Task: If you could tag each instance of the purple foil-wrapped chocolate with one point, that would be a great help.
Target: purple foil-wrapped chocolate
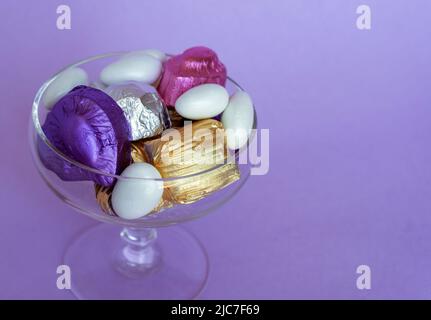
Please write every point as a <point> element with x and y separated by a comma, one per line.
<point>195,66</point>
<point>89,127</point>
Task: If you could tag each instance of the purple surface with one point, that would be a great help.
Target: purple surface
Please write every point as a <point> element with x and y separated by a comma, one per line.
<point>349,113</point>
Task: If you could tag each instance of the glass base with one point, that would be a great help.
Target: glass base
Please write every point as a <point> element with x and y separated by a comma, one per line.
<point>104,266</point>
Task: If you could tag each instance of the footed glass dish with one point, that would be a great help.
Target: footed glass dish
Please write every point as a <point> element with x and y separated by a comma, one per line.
<point>146,258</point>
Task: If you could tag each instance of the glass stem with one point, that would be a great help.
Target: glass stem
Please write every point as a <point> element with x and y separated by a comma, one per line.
<point>139,253</point>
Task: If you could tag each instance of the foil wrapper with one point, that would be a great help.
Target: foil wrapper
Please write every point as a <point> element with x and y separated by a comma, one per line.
<point>201,176</point>
<point>87,126</point>
<point>104,196</point>
<point>191,189</point>
<point>195,66</point>
<point>138,153</point>
<point>165,202</point>
<point>143,108</point>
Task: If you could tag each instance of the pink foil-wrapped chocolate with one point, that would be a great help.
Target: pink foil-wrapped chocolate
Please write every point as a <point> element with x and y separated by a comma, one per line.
<point>195,66</point>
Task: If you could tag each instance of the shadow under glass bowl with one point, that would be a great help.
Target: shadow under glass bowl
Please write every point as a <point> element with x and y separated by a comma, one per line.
<point>121,259</point>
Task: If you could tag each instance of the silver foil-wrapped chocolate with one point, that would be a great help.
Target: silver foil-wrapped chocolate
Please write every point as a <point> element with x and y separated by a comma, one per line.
<point>145,111</point>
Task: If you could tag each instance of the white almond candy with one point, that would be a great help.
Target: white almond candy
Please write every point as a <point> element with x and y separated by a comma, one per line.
<point>142,68</point>
<point>202,102</point>
<point>237,119</point>
<point>98,85</point>
<point>63,83</point>
<point>159,55</point>
<point>135,198</point>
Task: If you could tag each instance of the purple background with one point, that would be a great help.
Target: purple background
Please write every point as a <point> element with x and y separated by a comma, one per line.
<point>349,114</point>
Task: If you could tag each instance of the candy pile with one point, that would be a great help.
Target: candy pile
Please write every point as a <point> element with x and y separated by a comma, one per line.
<point>119,124</point>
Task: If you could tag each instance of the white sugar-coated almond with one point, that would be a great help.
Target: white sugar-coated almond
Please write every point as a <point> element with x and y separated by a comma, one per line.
<point>238,119</point>
<point>135,198</point>
<point>143,68</point>
<point>159,55</point>
<point>62,84</point>
<point>202,102</point>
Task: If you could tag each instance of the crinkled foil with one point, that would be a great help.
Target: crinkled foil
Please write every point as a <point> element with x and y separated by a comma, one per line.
<point>195,66</point>
<point>145,111</point>
<point>138,153</point>
<point>192,189</point>
<point>88,126</point>
<point>170,155</point>
<point>103,197</point>
<point>176,164</point>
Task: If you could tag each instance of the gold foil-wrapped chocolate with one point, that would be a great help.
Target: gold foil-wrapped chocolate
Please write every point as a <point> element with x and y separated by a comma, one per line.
<point>138,153</point>
<point>192,189</point>
<point>176,153</point>
<point>103,197</point>
<point>165,202</point>
<point>196,148</point>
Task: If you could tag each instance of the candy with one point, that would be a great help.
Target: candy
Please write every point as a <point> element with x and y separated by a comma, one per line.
<point>169,157</point>
<point>140,155</point>
<point>114,127</point>
<point>87,126</point>
<point>237,119</point>
<point>144,110</point>
<point>191,189</point>
<point>135,198</point>
<point>195,66</point>
<point>175,154</point>
<point>142,68</point>
<point>104,196</point>
<point>62,84</point>
<point>202,102</point>
<point>159,55</point>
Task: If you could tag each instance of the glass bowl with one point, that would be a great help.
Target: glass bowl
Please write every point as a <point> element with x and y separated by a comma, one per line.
<point>131,259</point>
